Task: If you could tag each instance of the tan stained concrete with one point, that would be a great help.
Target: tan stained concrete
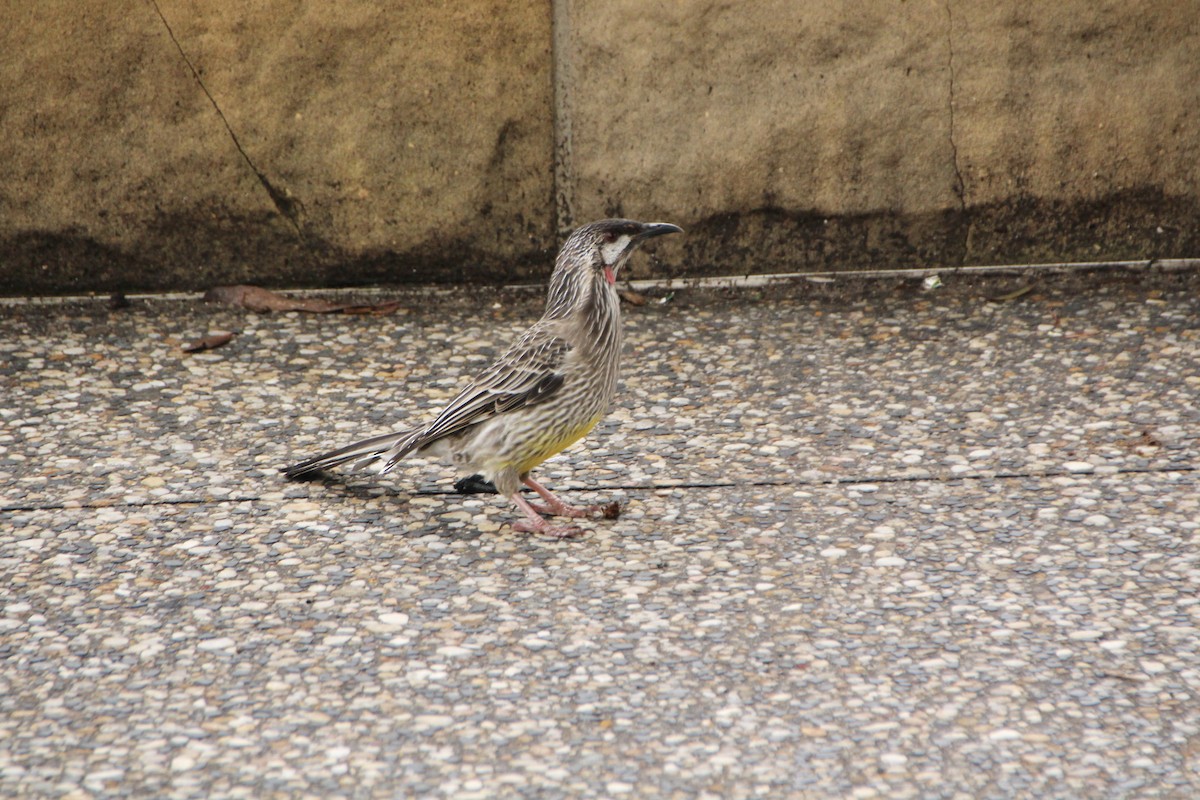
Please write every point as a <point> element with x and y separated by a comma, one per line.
<point>368,142</point>
<point>392,139</point>
<point>882,134</point>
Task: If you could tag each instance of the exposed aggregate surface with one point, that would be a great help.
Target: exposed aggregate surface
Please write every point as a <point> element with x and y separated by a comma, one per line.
<point>876,542</point>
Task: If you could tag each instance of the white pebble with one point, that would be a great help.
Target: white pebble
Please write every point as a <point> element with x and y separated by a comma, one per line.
<point>429,722</point>
<point>453,651</point>
<point>220,643</point>
<point>182,763</point>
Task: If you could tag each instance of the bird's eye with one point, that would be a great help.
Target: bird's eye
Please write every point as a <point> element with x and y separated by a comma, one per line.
<point>609,237</point>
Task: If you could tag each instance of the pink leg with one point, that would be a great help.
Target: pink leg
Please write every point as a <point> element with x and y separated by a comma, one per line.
<point>557,508</point>
<point>537,524</point>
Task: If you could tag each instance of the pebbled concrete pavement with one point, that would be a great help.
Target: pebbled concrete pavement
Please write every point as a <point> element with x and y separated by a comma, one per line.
<point>877,542</point>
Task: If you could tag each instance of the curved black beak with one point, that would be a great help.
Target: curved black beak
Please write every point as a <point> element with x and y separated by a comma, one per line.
<point>651,229</point>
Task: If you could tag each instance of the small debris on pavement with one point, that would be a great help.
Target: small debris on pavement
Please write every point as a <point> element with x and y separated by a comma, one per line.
<point>1013,295</point>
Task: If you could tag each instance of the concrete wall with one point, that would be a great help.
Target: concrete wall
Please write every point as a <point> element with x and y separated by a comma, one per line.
<point>177,145</point>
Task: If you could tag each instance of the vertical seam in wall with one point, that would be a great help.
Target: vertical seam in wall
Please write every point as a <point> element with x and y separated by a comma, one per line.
<point>564,178</point>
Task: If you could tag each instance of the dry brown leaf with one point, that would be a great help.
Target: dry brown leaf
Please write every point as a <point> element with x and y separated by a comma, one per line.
<point>632,297</point>
<point>256,298</point>
<point>375,309</point>
<point>209,342</point>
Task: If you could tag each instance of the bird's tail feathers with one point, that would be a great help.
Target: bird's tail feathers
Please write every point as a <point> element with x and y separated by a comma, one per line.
<point>380,452</point>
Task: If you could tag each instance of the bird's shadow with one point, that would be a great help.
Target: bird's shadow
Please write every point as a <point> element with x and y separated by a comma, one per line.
<point>349,486</point>
<point>472,484</point>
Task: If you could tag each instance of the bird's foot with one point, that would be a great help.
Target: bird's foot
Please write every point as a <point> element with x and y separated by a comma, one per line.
<point>548,530</point>
<point>560,509</point>
<point>534,522</point>
<point>555,507</point>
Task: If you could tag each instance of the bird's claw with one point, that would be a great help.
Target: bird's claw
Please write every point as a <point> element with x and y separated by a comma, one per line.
<point>607,511</point>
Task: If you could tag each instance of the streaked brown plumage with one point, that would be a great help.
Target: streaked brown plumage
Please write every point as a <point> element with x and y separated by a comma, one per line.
<point>547,391</point>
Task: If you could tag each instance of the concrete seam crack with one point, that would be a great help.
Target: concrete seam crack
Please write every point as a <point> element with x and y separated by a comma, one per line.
<point>960,187</point>
<point>766,484</point>
<point>289,207</point>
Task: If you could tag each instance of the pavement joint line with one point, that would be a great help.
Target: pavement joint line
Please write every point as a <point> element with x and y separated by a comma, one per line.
<point>767,484</point>
<point>747,281</point>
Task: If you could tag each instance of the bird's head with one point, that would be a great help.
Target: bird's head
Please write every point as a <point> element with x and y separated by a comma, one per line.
<point>595,253</point>
<point>605,246</point>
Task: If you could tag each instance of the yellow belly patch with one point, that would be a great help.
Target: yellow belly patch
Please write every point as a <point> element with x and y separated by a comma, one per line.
<point>541,448</point>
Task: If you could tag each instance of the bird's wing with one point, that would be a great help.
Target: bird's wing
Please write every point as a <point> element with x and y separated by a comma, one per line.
<point>528,373</point>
